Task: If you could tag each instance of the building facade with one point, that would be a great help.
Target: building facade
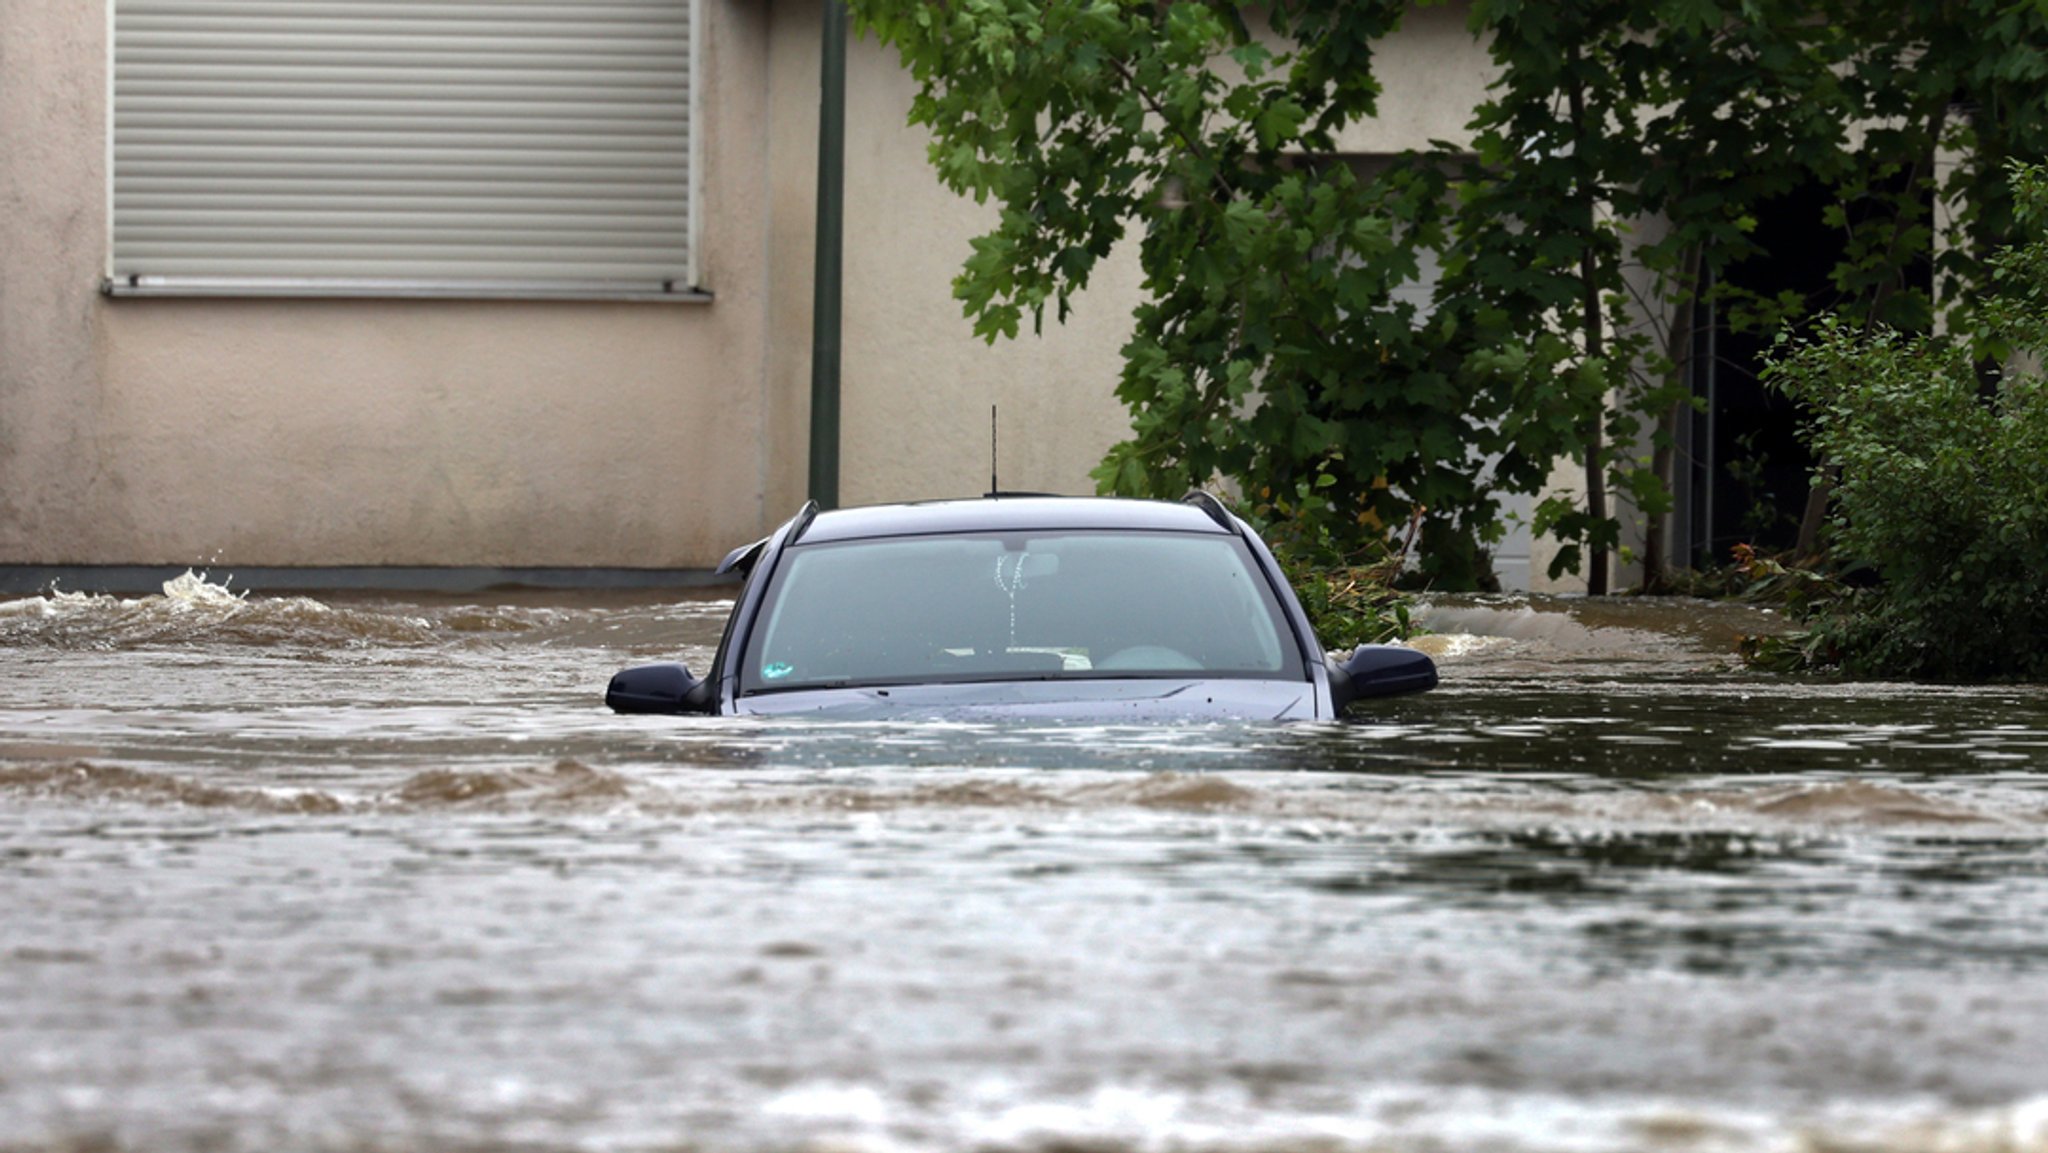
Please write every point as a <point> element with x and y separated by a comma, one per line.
<point>365,288</point>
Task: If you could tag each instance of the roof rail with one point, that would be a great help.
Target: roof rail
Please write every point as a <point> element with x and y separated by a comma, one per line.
<point>1206,501</point>
<point>804,517</point>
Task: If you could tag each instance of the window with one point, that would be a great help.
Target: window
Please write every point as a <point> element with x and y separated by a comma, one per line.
<point>983,607</point>
<point>403,147</point>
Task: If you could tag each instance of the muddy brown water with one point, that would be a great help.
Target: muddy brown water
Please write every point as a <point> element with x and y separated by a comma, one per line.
<point>371,873</point>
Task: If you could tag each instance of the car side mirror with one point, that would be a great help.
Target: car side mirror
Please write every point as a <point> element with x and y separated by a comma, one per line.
<point>1380,671</point>
<point>662,688</point>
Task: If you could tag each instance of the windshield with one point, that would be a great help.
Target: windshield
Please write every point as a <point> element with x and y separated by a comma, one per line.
<point>904,610</point>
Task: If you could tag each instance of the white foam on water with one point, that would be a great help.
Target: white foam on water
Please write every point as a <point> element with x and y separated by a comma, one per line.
<point>1001,1115</point>
<point>194,608</point>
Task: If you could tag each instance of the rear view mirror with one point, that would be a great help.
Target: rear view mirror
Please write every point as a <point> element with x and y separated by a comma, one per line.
<point>1380,671</point>
<point>662,688</point>
<point>1039,564</point>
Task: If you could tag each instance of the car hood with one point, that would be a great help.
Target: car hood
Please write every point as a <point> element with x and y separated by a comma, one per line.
<point>1136,700</point>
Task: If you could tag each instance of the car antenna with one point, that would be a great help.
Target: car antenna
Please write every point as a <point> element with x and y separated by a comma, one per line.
<point>996,488</point>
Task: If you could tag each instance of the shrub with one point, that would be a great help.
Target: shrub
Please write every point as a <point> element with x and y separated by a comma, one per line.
<point>1942,484</point>
<point>1346,589</point>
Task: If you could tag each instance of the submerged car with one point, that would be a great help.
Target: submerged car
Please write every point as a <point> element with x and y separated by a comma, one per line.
<point>1020,606</point>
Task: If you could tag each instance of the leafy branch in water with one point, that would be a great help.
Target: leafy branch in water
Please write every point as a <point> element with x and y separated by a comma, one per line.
<point>1805,594</point>
<point>1349,591</point>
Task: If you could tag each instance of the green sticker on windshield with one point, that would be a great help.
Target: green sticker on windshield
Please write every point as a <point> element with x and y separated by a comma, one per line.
<point>776,670</point>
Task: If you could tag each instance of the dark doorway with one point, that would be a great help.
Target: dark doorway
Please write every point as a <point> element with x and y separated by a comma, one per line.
<point>1750,470</point>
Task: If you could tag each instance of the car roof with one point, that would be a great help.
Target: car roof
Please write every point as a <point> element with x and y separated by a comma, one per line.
<point>1009,514</point>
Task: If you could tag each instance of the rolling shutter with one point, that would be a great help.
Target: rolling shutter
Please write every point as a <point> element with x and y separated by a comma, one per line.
<point>463,147</point>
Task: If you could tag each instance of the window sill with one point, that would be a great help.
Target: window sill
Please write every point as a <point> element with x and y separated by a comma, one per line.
<point>255,288</point>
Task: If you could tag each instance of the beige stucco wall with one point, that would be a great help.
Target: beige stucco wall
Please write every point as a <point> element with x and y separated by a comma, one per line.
<point>1432,74</point>
<point>272,432</point>
<point>919,384</point>
<point>916,384</point>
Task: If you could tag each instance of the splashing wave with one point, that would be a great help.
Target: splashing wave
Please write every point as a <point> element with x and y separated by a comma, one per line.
<point>193,609</point>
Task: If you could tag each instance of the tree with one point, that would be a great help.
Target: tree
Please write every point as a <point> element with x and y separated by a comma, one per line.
<point>1607,115</point>
<point>1273,348</point>
<point>1268,270</point>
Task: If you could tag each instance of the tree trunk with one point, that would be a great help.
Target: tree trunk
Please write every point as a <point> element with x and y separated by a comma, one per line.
<point>1808,549</point>
<point>1589,290</point>
<point>1595,447</point>
<point>1664,463</point>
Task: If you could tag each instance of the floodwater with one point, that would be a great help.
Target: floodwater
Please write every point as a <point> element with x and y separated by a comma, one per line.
<point>381,874</point>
